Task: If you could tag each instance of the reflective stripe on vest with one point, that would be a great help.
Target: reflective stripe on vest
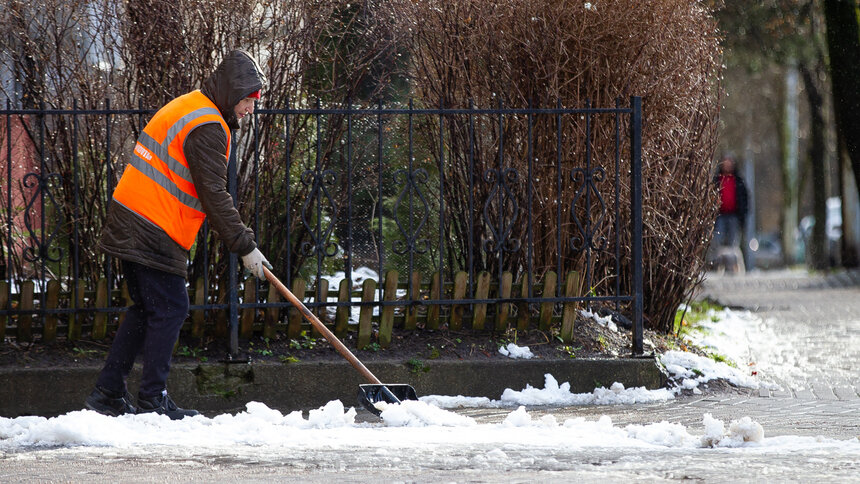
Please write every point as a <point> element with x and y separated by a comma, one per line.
<point>157,183</point>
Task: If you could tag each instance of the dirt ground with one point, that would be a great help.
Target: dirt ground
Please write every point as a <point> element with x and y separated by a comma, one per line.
<point>591,340</point>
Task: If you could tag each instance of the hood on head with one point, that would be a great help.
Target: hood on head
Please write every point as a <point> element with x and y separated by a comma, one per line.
<point>234,79</point>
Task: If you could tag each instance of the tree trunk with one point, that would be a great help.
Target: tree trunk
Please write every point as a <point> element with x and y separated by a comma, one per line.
<point>850,242</point>
<point>819,253</point>
<point>843,43</point>
<point>788,136</point>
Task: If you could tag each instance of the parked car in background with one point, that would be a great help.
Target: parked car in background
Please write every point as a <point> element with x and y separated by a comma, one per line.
<point>765,251</point>
<point>832,230</point>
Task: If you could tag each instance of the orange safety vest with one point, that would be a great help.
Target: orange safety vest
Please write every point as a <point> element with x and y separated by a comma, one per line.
<point>157,184</point>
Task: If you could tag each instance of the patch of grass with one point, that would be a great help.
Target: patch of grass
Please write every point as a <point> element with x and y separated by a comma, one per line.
<point>696,312</point>
<point>570,351</point>
<point>433,352</point>
<point>417,366</point>
<point>719,358</point>
<point>372,347</point>
<point>287,359</point>
<point>88,353</point>
<point>304,341</point>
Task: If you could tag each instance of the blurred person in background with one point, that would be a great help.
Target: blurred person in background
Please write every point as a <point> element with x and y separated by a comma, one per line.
<point>732,213</point>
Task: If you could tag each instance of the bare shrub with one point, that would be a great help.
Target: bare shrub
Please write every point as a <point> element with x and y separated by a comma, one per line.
<point>141,53</point>
<point>535,52</point>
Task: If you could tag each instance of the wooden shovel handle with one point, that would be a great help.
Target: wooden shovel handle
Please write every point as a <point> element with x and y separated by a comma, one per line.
<point>340,347</point>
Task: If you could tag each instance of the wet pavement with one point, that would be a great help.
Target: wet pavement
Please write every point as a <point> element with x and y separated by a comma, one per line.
<point>807,345</point>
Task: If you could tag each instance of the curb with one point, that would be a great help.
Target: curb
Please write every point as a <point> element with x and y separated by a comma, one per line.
<point>214,388</point>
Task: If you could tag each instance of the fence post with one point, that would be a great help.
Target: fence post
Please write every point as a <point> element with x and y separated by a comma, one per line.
<point>636,219</point>
<point>435,294</point>
<point>49,332</point>
<point>368,288</point>
<point>25,320</point>
<point>461,279</point>
<point>386,319</point>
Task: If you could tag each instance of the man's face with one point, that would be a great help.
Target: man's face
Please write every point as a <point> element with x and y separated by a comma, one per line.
<point>244,107</point>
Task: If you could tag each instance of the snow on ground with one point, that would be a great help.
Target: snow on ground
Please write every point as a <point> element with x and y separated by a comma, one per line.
<point>554,395</point>
<point>605,321</point>
<point>428,423</point>
<point>514,351</point>
<point>688,371</point>
<point>727,333</point>
<point>359,275</point>
<point>413,425</point>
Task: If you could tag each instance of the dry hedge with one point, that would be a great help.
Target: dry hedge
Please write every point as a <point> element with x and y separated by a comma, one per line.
<point>540,51</point>
<point>511,51</point>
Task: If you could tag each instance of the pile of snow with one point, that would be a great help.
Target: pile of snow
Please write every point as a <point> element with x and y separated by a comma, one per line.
<point>740,432</point>
<point>556,395</point>
<point>605,321</point>
<point>411,413</point>
<point>514,351</point>
<point>688,370</point>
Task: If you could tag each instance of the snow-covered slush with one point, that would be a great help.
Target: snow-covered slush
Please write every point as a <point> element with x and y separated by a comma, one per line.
<point>429,422</point>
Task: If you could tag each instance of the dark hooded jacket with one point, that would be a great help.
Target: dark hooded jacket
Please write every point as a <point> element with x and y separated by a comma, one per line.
<point>129,236</point>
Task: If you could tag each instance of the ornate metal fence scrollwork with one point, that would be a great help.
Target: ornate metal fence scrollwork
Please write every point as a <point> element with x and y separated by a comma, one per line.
<point>504,225</point>
<point>585,180</point>
<point>409,230</point>
<point>320,233</point>
<point>40,245</point>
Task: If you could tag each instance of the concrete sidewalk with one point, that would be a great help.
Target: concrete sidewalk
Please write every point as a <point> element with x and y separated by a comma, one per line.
<point>809,344</point>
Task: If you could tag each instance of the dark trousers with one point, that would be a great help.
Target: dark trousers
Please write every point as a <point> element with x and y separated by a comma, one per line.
<point>151,328</point>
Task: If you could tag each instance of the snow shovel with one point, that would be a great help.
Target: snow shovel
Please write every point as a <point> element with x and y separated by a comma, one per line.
<point>368,394</point>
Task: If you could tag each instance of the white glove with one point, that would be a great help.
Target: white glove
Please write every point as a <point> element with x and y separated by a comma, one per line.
<point>254,262</point>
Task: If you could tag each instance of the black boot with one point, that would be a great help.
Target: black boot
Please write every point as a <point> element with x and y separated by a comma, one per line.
<point>164,405</point>
<point>110,403</point>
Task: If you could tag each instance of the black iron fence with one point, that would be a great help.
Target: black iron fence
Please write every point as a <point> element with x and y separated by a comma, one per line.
<point>466,203</point>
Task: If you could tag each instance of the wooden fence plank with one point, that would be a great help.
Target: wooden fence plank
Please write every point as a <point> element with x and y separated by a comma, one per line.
<point>568,315</point>
<point>549,282</point>
<point>523,309</point>
<point>198,316</point>
<point>368,292</point>
<point>435,295</point>
<point>76,320</point>
<point>222,324</point>
<point>100,318</point>
<point>461,280</point>
<point>4,303</point>
<point>25,320</point>
<point>295,318</point>
<point>126,298</point>
<point>270,323</point>
<point>482,291</point>
<point>246,319</point>
<point>386,321</point>
<point>49,331</point>
<point>411,320</point>
<point>504,309</point>
<point>341,318</point>
<point>320,311</point>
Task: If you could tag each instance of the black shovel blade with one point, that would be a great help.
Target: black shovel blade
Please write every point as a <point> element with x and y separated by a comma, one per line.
<point>369,394</point>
